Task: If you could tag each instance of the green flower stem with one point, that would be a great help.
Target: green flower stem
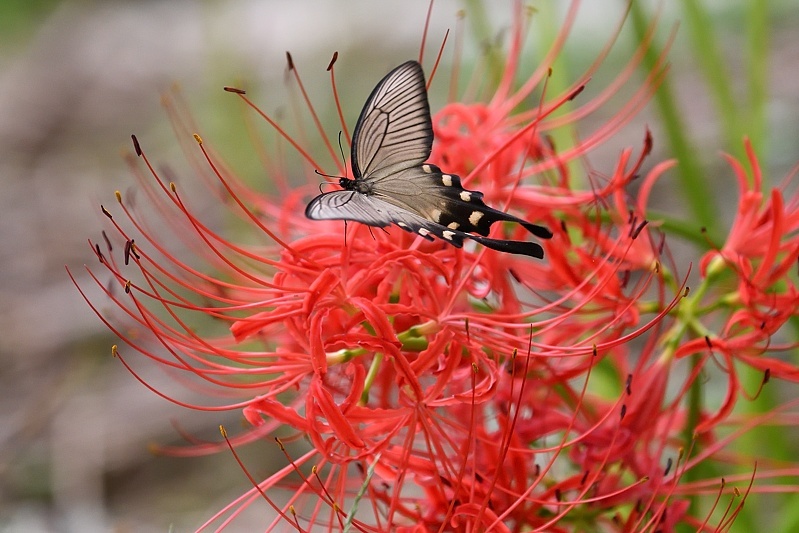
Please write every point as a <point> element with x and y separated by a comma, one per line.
<point>695,188</point>
<point>679,228</point>
<point>374,368</point>
<point>705,49</point>
<point>757,67</point>
<point>414,339</point>
<point>690,309</point>
<point>482,30</point>
<point>688,323</point>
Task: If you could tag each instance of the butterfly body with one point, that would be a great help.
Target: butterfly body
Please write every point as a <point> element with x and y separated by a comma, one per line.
<point>393,184</point>
<point>359,186</point>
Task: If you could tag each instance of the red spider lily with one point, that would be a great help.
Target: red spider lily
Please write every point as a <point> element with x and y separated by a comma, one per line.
<point>762,251</point>
<point>442,388</point>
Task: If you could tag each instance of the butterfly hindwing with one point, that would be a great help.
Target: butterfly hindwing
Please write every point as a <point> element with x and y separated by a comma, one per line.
<point>348,205</point>
<point>374,211</point>
<point>440,198</point>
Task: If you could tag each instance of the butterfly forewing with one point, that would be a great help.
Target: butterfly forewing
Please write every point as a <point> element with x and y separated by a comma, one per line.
<point>394,131</point>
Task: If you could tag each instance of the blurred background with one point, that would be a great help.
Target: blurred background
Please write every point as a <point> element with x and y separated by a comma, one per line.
<point>77,78</point>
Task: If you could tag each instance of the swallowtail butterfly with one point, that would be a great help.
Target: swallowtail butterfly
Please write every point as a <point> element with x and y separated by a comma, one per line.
<point>393,184</point>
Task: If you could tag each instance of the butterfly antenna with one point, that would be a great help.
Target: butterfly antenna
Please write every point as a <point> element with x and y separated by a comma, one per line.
<point>341,151</point>
<point>426,30</point>
<point>318,173</point>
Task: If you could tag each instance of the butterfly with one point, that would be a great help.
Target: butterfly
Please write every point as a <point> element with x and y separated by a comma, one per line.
<point>393,183</point>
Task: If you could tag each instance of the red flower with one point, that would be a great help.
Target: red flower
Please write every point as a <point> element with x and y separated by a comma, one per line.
<point>443,388</point>
<point>762,250</point>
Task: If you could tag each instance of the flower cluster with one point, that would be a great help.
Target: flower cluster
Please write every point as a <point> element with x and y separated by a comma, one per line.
<point>438,388</point>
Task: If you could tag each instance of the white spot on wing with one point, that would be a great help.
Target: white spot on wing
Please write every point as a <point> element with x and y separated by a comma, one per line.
<point>435,214</point>
<point>446,179</point>
<point>466,196</point>
<point>448,235</point>
<point>475,217</point>
<point>424,232</point>
<point>402,224</point>
<point>427,169</point>
<point>453,225</point>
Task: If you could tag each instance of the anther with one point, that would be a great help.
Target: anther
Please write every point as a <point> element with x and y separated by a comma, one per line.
<point>576,92</point>
<point>136,146</point>
<point>332,61</point>
<point>638,229</point>
<point>107,240</point>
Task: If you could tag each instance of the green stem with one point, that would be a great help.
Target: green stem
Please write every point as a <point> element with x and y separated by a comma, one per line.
<point>482,30</point>
<point>712,65</point>
<point>757,68</point>
<point>695,187</point>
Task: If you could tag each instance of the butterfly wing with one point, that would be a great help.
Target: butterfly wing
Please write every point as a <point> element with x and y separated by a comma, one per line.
<point>349,205</point>
<point>439,197</point>
<point>442,207</point>
<point>372,210</point>
<point>393,185</point>
<point>394,131</point>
